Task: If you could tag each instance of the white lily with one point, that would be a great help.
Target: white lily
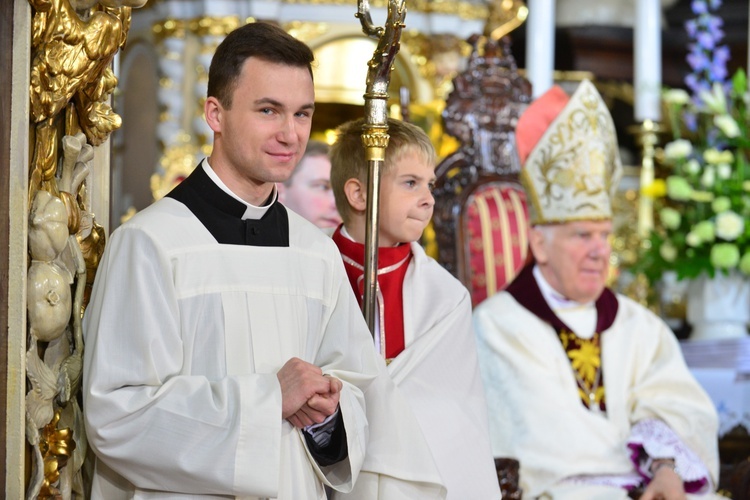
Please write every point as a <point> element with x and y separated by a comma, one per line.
<point>715,99</point>
<point>727,125</point>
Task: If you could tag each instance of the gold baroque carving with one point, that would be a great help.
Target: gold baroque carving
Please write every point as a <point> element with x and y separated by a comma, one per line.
<point>305,30</point>
<point>178,162</point>
<point>464,10</point>
<point>71,61</point>
<point>73,44</point>
<point>170,28</point>
<point>438,58</point>
<point>58,445</point>
<point>216,26</point>
<point>504,17</point>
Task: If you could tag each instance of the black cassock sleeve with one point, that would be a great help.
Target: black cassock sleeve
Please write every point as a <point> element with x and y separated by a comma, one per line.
<point>335,451</point>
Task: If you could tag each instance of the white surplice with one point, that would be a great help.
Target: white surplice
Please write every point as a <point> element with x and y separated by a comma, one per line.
<point>184,337</point>
<point>536,414</point>
<point>438,375</point>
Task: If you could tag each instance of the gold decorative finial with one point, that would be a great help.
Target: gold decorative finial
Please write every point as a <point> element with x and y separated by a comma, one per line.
<point>375,131</point>
<point>505,16</point>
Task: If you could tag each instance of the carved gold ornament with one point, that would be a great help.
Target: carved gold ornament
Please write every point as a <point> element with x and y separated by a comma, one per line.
<point>177,163</point>
<point>462,9</point>
<point>216,26</point>
<point>71,61</point>
<point>73,43</point>
<point>504,17</point>
<point>57,447</point>
<point>306,30</point>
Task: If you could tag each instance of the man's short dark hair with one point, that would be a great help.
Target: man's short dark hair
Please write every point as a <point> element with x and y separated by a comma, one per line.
<point>262,40</point>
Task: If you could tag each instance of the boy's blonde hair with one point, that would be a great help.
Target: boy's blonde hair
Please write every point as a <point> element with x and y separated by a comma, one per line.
<point>348,155</point>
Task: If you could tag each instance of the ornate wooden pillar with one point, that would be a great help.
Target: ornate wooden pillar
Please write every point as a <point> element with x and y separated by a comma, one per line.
<point>61,82</point>
<point>15,58</point>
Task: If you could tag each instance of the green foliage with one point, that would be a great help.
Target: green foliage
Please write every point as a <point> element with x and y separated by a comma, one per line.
<point>708,185</point>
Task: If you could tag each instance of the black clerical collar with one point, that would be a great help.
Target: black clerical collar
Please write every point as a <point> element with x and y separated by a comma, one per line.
<point>221,214</point>
<point>251,211</point>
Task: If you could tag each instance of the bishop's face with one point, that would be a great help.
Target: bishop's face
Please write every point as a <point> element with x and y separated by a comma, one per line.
<point>259,139</point>
<point>574,257</point>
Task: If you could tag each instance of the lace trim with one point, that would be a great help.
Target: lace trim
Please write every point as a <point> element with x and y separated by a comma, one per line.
<point>625,481</point>
<point>651,439</point>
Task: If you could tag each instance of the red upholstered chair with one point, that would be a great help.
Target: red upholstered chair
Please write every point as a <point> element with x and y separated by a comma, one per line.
<point>481,219</point>
<point>493,237</point>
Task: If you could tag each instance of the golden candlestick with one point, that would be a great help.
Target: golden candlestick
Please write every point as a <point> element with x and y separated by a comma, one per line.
<point>647,136</point>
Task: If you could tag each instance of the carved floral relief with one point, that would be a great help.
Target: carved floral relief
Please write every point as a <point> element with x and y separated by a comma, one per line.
<point>73,43</point>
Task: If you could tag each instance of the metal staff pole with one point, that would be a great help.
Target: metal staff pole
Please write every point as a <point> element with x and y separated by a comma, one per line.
<point>375,134</point>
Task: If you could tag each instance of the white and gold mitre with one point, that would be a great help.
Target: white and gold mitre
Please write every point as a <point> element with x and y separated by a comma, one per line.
<point>568,146</point>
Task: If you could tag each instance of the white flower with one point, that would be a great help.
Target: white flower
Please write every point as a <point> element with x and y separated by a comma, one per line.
<point>704,231</point>
<point>693,239</point>
<point>670,217</point>
<point>714,156</point>
<point>715,100</point>
<point>721,204</point>
<point>668,252</point>
<point>709,177</point>
<point>724,171</point>
<point>692,167</point>
<point>727,125</point>
<point>676,96</point>
<point>729,225</point>
<point>677,150</point>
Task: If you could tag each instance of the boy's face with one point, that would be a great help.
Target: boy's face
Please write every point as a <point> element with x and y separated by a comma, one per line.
<point>406,201</point>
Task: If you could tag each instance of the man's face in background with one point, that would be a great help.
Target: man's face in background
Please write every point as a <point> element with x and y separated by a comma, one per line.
<point>308,192</point>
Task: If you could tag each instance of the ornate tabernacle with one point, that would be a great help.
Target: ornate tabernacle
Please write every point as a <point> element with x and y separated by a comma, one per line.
<point>480,208</point>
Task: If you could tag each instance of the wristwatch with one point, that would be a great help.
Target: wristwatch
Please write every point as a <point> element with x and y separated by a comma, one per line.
<point>658,463</point>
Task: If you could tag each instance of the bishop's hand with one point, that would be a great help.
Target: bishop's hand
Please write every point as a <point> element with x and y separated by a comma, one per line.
<point>665,485</point>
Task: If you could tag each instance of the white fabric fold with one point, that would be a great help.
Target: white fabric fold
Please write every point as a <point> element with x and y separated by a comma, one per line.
<point>184,338</point>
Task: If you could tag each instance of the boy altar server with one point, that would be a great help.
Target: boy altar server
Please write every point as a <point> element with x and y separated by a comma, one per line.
<point>424,320</point>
